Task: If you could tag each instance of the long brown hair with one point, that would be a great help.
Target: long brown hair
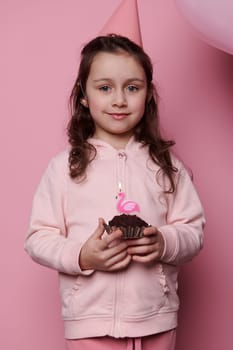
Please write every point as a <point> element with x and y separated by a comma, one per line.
<point>81,125</point>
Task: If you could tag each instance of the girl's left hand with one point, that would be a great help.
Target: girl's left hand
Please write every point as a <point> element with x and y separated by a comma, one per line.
<point>147,249</point>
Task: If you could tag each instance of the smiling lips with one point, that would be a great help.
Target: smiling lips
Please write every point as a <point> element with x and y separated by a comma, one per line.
<point>118,116</point>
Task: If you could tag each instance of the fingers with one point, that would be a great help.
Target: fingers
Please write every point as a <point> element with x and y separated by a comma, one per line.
<point>112,259</point>
<point>150,230</point>
<point>111,253</point>
<point>117,259</point>
<point>149,237</point>
<point>110,238</point>
<point>122,264</point>
<point>143,249</point>
<point>100,229</point>
<point>115,250</point>
<point>148,248</point>
<point>142,241</point>
<point>146,258</point>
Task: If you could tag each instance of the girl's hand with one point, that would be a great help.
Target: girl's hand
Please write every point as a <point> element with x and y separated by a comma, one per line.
<point>149,248</point>
<point>104,254</point>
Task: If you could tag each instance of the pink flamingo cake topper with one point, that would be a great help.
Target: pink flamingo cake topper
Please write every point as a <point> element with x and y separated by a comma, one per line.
<point>127,206</point>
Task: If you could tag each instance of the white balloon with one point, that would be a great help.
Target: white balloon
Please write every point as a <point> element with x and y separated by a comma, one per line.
<point>213,19</point>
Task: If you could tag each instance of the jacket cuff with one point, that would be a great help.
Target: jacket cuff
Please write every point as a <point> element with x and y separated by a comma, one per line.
<point>68,262</point>
<point>171,244</point>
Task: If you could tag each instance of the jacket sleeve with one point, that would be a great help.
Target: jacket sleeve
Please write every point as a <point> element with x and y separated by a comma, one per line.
<point>47,242</point>
<point>183,233</point>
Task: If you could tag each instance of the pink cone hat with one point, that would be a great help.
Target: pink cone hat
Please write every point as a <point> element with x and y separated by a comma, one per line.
<point>125,21</point>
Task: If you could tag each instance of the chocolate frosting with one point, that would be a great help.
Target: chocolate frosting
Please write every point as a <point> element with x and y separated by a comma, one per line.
<point>127,220</point>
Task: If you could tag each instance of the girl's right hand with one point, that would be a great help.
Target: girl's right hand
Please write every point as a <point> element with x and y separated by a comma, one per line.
<point>104,254</point>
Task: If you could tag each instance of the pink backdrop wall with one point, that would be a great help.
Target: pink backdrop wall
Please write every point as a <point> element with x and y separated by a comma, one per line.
<point>40,44</point>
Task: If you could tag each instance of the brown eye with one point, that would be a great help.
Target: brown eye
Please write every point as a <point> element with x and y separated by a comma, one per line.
<point>132,88</point>
<point>104,88</point>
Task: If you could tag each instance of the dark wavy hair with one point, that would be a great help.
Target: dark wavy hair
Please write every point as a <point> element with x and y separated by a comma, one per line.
<point>81,125</point>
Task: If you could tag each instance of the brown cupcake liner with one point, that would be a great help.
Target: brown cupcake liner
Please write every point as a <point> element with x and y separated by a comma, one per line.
<point>129,232</point>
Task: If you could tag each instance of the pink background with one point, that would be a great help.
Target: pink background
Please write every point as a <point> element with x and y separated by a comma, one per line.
<point>40,43</point>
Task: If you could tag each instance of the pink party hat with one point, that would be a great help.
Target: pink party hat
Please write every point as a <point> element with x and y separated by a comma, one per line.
<point>125,21</point>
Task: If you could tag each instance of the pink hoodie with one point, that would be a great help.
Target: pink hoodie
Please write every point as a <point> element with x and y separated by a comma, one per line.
<point>137,301</point>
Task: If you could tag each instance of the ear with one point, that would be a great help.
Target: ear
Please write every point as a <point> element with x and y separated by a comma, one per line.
<point>84,102</point>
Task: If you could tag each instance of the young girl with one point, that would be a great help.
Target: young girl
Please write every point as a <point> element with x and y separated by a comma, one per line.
<point>116,293</point>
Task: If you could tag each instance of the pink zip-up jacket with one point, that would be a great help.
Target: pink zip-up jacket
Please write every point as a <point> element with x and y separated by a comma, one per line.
<point>141,299</point>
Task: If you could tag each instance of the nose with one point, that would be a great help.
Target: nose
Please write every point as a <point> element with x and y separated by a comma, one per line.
<point>119,98</point>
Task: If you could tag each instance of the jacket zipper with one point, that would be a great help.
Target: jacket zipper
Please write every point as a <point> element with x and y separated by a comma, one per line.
<point>116,308</point>
<point>121,159</point>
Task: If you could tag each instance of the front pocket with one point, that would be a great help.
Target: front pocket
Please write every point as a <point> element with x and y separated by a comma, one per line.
<point>145,291</point>
<point>67,294</point>
<point>88,296</point>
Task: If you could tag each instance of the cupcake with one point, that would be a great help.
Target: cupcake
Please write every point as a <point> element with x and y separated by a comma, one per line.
<point>131,226</point>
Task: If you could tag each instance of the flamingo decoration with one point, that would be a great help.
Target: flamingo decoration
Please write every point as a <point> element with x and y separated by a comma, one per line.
<point>126,206</point>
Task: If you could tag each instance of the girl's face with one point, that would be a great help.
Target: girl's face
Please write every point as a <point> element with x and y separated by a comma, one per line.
<point>116,92</point>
